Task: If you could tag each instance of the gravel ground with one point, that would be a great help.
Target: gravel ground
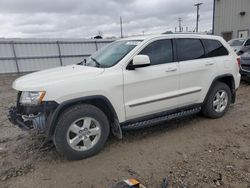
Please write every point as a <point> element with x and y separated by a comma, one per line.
<point>192,152</point>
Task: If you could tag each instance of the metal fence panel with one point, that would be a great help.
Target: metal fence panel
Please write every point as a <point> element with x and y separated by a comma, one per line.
<point>6,50</point>
<point>8,66</point>
<point>71,60</point>
<point>78,48</point>
<point>25,55</point>
<point>27,65</point>
<point>33,50</point>
<point>101,44</point>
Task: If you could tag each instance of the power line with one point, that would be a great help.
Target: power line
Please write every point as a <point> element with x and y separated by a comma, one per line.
<point>197,16</point>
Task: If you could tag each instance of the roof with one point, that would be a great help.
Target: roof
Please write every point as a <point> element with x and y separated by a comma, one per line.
<point>174,35</point>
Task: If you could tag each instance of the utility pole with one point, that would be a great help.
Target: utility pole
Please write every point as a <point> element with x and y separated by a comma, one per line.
<point>198,15</point>
<point>180,20</point>
<point>121,27</point>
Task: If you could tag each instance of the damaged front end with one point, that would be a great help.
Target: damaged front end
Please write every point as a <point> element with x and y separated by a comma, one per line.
<point>29,117</point>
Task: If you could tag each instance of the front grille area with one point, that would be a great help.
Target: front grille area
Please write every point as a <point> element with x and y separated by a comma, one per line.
<point>245,68</point>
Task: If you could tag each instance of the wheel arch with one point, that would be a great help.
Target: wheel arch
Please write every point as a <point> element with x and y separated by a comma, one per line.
<point>99,101</point>
<point>228,79</point>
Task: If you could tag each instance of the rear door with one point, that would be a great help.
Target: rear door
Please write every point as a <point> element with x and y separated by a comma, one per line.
<point>196,71</point>
<point>216,51</point>
<point>152,89</point>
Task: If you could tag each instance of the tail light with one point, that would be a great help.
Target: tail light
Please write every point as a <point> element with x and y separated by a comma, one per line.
<point>238,61</point>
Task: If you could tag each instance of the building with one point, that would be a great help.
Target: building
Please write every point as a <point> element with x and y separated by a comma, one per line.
<point>231,18</point>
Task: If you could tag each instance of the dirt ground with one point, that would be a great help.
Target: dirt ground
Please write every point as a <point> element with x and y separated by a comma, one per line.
<point>192,152</point>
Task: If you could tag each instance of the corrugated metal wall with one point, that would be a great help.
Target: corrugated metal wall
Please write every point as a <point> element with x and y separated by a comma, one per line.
<point>228,19</point>
<point>25,55</point>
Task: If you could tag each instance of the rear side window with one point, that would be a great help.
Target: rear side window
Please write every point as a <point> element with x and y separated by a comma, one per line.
<point>214,48</point>
<point>159,52</point>
<point>188,49</point>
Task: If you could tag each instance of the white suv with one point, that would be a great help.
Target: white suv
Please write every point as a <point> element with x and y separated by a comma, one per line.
<point>129,84</point>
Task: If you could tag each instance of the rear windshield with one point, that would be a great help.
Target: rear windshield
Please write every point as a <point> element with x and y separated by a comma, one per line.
<point>236,42</point>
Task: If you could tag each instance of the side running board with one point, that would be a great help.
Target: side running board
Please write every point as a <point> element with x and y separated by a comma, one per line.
<point>156,120</point>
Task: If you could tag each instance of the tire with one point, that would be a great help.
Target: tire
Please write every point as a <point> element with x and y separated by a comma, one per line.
<point>81,131</point>
<point>211,107</point>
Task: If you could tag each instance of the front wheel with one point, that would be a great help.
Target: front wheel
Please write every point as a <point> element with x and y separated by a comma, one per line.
<point>81,132</point>
<point>218,101</point>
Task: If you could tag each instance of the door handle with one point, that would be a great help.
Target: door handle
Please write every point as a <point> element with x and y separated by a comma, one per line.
<point>171,69</point>
<point>209,63</point>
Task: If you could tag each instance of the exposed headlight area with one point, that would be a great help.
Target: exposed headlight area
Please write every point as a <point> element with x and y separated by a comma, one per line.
<point>32,98</point>
<point>31,111</point>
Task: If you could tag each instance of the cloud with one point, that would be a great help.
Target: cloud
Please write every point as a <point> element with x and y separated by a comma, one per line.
<point>78,18</point>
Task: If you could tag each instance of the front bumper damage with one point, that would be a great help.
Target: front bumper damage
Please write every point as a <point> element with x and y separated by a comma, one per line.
<point>31,117</point>
<point>27,121</point>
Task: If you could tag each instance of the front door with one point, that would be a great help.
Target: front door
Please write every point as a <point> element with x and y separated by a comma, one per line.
<point>152,89</point>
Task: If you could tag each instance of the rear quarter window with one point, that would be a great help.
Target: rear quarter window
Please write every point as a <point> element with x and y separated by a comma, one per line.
<point>214,48</point>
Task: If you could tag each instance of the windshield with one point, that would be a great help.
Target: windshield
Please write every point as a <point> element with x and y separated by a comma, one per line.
<point>236,42</point>
<point>111,54</point>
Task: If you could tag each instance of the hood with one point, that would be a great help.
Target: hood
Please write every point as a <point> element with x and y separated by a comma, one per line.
<point>40,80</point>
<point>236,48</point>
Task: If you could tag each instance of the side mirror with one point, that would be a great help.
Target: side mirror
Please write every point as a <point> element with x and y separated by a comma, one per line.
<point>141,61</point>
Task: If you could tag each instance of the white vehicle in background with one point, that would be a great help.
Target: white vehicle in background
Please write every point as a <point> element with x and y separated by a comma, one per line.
<point>240,45</point>
<point>130,84</point>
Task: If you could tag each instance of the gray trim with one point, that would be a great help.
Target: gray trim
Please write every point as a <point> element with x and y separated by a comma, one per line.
<point>165,98</point>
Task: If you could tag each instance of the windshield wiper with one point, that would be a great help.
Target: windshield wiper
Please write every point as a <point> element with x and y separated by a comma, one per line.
<point>83,62</point>
<point>96,62</point>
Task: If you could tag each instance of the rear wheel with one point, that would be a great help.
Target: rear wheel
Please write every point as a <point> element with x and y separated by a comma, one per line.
<point>218,101</point>
<point>81,131</point>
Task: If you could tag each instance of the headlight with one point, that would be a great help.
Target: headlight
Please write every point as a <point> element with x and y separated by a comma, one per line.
<point>32,97</point>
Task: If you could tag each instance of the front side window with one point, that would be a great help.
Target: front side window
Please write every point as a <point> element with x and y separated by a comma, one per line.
<point>214,48</point>
<point>111,54</point>
<point>159,52</point>
<point>188,49</point>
